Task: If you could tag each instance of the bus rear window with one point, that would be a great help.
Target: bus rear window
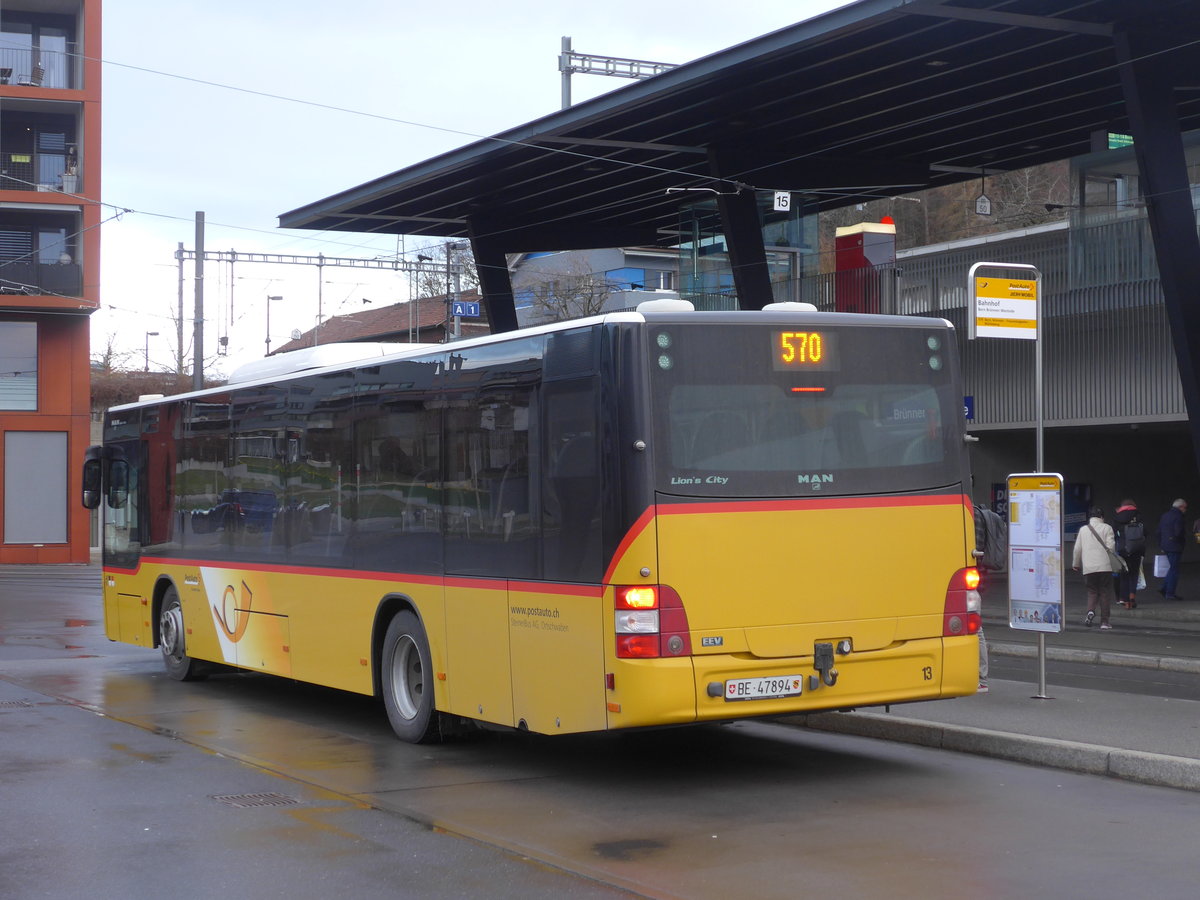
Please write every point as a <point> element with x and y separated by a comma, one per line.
<point>765,411</point>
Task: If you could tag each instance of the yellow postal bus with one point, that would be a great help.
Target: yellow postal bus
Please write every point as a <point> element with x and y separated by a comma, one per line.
<point>645,518</point>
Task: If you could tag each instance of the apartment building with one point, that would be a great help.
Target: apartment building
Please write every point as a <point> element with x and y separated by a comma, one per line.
<point>49,271</point>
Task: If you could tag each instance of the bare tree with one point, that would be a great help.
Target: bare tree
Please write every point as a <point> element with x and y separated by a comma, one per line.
<point>113,388</point>
<point>109,359</point>
<point>118,377</point>
<point>1022,196</point>
<point>571,293</point>
<point>1019,200</point>
<point>431,282</point>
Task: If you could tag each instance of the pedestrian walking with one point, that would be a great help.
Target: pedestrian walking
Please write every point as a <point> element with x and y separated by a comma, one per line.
<point>1171,533</point>
<point>1131,545</point>
<point>1094,555</point>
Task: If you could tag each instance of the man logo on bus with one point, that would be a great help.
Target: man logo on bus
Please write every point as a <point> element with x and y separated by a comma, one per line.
<point>816,479</point>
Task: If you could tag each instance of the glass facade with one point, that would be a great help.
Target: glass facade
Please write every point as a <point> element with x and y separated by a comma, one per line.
<point>705,272</point>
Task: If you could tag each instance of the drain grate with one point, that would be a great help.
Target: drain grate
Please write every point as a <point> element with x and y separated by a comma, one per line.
<point>249,801</point>
<point>15,704</point>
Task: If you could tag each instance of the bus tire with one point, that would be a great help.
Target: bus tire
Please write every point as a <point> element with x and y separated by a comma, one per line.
<point>171,641</point>
<point>406,679</point>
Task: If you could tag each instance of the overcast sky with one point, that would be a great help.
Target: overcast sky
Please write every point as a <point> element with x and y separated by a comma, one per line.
<point>245,109</point>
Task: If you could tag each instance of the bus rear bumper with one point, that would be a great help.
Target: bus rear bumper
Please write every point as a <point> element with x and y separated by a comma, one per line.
<point>926,669</point>
<point>726,687</point>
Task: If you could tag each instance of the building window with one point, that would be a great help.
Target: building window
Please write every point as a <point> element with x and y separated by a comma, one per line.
<point>627,279</point>
<point>35,487</point>
<point>36,48</point>
<point>18,365</point>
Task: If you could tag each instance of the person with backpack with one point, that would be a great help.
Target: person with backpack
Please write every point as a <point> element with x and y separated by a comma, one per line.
<point>1131,545</point>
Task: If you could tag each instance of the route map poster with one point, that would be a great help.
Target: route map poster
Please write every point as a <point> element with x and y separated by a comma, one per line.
<point>1035,554</point>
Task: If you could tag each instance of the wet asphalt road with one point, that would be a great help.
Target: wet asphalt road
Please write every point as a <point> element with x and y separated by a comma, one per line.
<point>130,784</point>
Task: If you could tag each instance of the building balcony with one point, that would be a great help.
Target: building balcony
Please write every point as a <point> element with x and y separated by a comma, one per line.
<point>36,172</point>
<point>38,68</point>
<point>24,278</point>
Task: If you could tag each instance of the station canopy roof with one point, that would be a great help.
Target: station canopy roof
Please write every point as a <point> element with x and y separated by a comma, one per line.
<point>878,98</point>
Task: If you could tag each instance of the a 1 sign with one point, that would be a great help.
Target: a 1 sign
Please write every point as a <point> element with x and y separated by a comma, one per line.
<point>467,308</point>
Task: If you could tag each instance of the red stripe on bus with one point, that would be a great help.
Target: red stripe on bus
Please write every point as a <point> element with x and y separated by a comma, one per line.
<point>643,521</point>
<point>454,581</point>
<point>682,509</point>
<point>277,569</point>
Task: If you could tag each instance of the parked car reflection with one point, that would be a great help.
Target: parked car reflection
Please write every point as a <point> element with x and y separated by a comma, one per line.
<point>237,510</point>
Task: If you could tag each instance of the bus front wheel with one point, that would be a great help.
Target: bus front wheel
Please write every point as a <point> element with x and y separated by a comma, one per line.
<point>406,679</point>
<point>171,641</point>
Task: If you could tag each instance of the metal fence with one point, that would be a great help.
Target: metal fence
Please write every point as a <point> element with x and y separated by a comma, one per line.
<point>1107,343</point>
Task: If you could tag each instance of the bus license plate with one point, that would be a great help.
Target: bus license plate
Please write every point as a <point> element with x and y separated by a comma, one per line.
<point>764,688</point>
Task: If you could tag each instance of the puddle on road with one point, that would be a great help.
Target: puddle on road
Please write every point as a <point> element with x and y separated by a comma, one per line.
<point>627,850</point>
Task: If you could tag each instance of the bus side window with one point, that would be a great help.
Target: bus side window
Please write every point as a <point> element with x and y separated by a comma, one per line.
<point>571,485</point>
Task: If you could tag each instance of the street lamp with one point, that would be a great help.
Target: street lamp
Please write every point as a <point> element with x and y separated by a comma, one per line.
<point>269,299</point>
<point>149,334</point>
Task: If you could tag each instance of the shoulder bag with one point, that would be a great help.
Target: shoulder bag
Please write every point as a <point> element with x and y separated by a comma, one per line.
<point>1117,563</point>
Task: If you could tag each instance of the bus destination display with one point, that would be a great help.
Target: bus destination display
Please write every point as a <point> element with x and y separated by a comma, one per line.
<point>812,351</point>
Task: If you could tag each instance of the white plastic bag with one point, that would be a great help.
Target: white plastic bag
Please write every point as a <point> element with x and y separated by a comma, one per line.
<point>1141,582</point>
<point>1161,565</point>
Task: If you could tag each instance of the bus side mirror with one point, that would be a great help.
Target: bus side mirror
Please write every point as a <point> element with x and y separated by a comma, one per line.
<point>91,483</point>
<point>93,472</point>
<point>118,484</point>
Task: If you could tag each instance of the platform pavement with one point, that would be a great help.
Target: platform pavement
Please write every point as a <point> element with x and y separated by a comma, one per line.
<point>1148,739</point>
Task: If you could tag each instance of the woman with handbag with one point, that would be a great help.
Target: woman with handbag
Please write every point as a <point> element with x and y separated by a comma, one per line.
<point>1096,556</point>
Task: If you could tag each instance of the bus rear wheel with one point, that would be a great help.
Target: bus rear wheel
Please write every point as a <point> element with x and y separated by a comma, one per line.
<point>171,641</point>
<point>407,680</point>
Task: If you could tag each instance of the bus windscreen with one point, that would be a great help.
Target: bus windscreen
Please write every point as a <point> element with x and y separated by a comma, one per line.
<point>774,411</point>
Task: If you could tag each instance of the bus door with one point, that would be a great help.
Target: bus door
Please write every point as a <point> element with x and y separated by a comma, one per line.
<point>113,483</point>
<point>160,441</point>
<point>248,598</point>
<point>486,391</point>
<point>556,624</point>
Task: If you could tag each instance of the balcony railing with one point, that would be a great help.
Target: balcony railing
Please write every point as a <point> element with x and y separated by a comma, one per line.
<point>32,278</point>
<point>37,68</point>
<point>36,172</point>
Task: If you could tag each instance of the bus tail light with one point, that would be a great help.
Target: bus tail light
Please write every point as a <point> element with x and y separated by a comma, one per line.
<point>650,622</point>
<point>961,615</point>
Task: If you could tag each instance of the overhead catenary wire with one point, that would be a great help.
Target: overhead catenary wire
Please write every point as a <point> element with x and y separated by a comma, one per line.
<point>940,115</point>
<point>649,193</point>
